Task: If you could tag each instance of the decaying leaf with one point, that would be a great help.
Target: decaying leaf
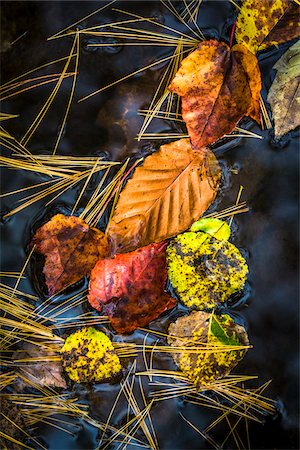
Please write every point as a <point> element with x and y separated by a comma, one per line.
<point>203,270</point>
<point>45,373</point>
<point>88,355</point>
<point>71,249</point>
<point>284,94</point>
<point>218,87</point>
<point>171,190</point>
<point>262,23</point>
<point>206,331</point>
<point>129,288</point>
<point>12,424</point>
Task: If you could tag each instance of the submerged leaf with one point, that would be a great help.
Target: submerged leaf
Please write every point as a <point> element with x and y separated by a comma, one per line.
<point>208,332</point>
<point>129,288</point>
<point>171,190</point>
<point>12,425</point>
<point>203,270</point>
<point>262,23</point>
<point>88,355</point>
<point>45,373</point>
<point>218,86</point>
<point>71,249</point>
<point>284,94</point>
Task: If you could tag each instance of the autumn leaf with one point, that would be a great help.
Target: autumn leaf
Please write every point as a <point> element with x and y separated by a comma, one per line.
<point>284,94</point>
<point>130,288</point>
<point>171,190</point>
<point>262,23</point>
<point>202,331</point>
<point>71,249</point>
<point>45,373</point>
<point>88,355</point>
<point>205,271</point>
<point>218,87</point>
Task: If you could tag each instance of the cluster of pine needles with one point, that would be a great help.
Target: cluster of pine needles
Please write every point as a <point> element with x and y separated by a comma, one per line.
<point>22,322</point>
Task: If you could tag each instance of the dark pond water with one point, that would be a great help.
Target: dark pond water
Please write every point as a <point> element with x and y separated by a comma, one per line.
<point>109,122</point>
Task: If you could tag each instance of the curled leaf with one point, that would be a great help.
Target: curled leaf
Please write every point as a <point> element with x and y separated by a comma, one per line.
<point>171,190</point>
<point>129,288</point>
<point>218,87</point>
<point>284,94</point>
<point>88,355</point>
<point>213,339</point>
<point>203,270</point>
<point>71,249</point>
<point>262,23</point>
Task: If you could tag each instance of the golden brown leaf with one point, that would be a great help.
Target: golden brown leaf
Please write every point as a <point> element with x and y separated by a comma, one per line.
<point>71,249</point>
<point>171,190</point>
<point>218,87</point>
<point>262,23</point>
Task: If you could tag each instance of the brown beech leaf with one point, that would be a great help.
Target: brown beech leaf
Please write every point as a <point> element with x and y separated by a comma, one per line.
<point>71,249</point>
<point>218,86</point>
<point>262,23</point>
<point>130,288</point>
<point>171,190</point>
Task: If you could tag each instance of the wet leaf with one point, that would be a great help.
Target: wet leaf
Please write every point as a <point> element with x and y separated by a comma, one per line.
<point>262,23</point>
<point>171,190</point>
<point>219,331</point>
<point>130,287</point>
<point>205,331</point>
<point>218,87</point>
<point>214,227</point>
<point>88,355</point>
<point>284,94</point>
<point>45,373</point>
<point>12,424</point>
<point>203,270</point>
<point>71,249</point>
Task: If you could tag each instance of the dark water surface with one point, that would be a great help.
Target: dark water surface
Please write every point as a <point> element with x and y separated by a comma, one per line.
<point>109,122</point>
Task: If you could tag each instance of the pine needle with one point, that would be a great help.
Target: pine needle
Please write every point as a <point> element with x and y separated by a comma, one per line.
<point>37,121</point>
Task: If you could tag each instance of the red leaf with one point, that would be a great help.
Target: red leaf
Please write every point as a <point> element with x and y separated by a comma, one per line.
<point>129,288</point>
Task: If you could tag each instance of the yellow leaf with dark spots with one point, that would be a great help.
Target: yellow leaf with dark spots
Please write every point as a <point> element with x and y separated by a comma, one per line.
<point>262,23</point>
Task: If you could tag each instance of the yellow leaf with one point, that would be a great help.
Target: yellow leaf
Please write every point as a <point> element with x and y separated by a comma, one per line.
<point>262,23</point>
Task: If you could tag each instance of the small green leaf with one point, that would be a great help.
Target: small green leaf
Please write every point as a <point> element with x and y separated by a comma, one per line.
<point>214,227</point>
<point>218,330</point>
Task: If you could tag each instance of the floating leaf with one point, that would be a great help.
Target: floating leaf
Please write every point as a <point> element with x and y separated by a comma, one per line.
<point>171,190</point>
<point>218,87</point>
<point>129,288</point>
<point>284,94</point>
<point>214,227</point>
<point>262,23</point>
<point>203,270</point>
<point>88,355</point>
<point>208,333</point>
<point>71,249</point>
<point>44,372</point>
